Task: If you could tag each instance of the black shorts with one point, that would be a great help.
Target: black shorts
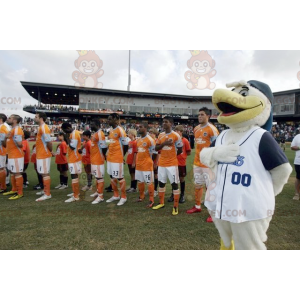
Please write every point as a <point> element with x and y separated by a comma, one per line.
<point>62,167</point>
<point>297,169</point>
<point>182,171</point>
<point>131,169</point>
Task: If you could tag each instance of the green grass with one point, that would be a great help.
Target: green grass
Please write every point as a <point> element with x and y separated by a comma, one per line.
<point>53,224</point>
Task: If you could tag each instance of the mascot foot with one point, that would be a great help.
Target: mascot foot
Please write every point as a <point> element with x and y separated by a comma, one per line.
<point>225,248</point>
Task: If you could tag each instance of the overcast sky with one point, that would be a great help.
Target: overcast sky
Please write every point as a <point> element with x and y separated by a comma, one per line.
<point>151,71</point>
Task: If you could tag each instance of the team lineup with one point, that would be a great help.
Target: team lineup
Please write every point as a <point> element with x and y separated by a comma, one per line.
<point>153,159</point>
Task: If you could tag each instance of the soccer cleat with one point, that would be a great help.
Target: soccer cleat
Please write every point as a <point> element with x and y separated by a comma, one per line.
<point>122,201</point>
<point>209,220</point>
<point>41,193</point>
<point>112,199</point>
<point>63,187</point>
<point>109,189</point>
<point>58,186</point>
<point>131,190</point>
<point>70,195</point>
<point>9,193</point>
<point>181,199</point>
<point>171,199</point>
<point>155,193</point>
<point>98,200</point>
<point>25,186</point>
<point>150,204</point>
<point>158,206</point>
<point>94,195</point>
<point>15,197</point>
<point>37,187</point>
<point>3,191</point>
<point>86,188</point>
<point>175,211</point>
<point>139,200</point>
<point>72,199</point>
<point>193,210</point>
<point>45,197</point>
<point>296,197</point>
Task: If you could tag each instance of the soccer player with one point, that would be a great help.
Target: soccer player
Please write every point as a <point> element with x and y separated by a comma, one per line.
<point>13,143</point>
<point>61,161</point>
<point>74,159</point>
<point>131,159</point>
<point>26,150</point>
<point>98,152</point>
<point>43,153</point>
<point>144,164</point>
<point>205,133</point>
<point>154,134</point>
<point>170,145</point>
<point>118,146</point>
<point>186,150</point>
<point>86,158</point>
<point>4,129</point>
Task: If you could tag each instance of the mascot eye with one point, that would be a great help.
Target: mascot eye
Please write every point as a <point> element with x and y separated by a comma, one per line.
<point>196,64</point>
<point>84,64</point>
<point>244,92</point>
<point>205,64</point>
<point>93,64</point>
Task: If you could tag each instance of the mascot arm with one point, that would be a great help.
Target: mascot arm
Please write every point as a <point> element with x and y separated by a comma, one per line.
<point>227,154</point>
<point>280,176</point>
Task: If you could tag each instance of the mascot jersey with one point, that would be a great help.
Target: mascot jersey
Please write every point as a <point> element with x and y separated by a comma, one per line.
<point>244,188</point>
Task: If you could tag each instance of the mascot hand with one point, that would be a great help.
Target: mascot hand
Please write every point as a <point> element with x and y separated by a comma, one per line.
<point>226,154</point>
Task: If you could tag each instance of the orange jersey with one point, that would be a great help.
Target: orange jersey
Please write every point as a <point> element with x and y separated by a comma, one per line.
<point>60,155</point>
<point>33,155</point>
<point>145,148</point>
<point>15,135</point>
<point>4,129</point>
<point>75,142</point>
<point>98,143</point>
<point>117,138</point>
<point>186,148</point>
<point>86,153</point>
<point>42,138</point>
<point>26,150</point>
<point>204,136</point>
<point>132,149</point>
<point>168,154</point>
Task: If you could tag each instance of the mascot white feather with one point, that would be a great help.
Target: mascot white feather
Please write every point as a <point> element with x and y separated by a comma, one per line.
<point>248,168</point>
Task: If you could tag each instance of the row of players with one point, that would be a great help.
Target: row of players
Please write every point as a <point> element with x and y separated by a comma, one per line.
<point>161,153</point>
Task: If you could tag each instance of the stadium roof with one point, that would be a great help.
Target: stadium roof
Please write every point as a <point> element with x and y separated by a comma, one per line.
<point>69,94</point>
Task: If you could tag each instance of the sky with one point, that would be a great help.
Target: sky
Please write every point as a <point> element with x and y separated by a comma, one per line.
<point>160,71</point>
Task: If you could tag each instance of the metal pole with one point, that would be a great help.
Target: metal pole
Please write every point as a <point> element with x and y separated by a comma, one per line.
<point>129,76</point>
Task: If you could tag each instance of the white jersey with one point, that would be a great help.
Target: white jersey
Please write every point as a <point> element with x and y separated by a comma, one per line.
<point>244,188</point>
<point>296,143</point>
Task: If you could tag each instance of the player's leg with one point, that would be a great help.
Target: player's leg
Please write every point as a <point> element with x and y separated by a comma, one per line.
<point>113,182</point>
<point>122,183</point>
<point>88,186</point>
<point>150,189</point>
<point>173,175</point>
<point>199,184</point>
<point>64,173</point>
<point>162,180</point>
<point>75,170</point>
<point>12,168</point>
<point>182,175</point>
<point>133,182</point>
<point>98,172</point>
<point>24,174</point>
<point>43,167</point>
<point>297,182</point>
<point>3,187</point>
<point>225,232</point>
<point>139,176</point>
<point>18,178</point>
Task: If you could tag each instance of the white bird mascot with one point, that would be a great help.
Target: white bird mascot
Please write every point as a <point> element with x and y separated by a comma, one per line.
<point>247,166</point>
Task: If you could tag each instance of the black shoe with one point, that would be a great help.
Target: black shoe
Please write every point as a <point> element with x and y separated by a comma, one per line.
<point>171,199</point>
<point>3,191</point>
<point>181,199</point>
<point>109,190</point>
<point>37,187</point>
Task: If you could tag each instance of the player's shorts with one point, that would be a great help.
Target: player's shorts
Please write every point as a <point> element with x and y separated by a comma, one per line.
<point>144,176</point>
<point>168,172</point>
<point>43,165</point>
<point>115,170</point>
<point>98,170</point>
<point>75,168</point>
<point>2,161</point>
<point>200,175</point>
<point>16,165</point>
<point>297,170</point>
<point>131,169</point>
<point>62,168</point>
<point>182,171</point>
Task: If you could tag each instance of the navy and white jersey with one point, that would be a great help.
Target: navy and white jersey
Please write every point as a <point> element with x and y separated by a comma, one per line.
<point>243,190</point>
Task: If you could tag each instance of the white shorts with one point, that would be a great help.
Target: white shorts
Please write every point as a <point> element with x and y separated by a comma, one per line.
<point>115,170</point>
<point>98,170</point>
<point>75,168</point>
<point>144,176</point>
<point>43,165</point>
<point>16,165</point>
<point>2,161</point>
<point>168,172</point>
<point>201,175</point>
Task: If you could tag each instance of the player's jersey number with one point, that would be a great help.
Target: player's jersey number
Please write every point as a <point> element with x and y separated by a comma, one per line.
<point>238,178</point>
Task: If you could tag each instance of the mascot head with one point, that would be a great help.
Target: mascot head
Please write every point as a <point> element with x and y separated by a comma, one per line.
<point>248,103</point>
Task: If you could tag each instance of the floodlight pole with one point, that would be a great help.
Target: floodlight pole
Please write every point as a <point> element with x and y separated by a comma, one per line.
<point>129,76</point>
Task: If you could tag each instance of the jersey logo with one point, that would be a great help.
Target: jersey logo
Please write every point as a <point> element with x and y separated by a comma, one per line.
<point>200,141</point>
<point>115,134</point>
<point>238,162</point>
<point>144,144</point>
<point>205,133</point>
<point>140,149</point>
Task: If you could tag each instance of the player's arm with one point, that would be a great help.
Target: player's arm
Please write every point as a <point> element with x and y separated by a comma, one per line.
<point>134,154</point>
<point>47,138</point>
<point>103,145</point>
<point>73,144</point>
<point>294,146</point>
<point>179,146</point>
<point>2,140</point>
<point>159,146</point>
<point>18,139</point>
<point>124,142</point>
<point>188,149</point>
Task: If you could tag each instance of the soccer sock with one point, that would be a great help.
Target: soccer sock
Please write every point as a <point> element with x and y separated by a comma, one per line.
<point>176,195</point>
<point>65,180</point>
<point>135,184</point>
<point>7,177</point>
<point>75,187</point>
<point>182,187</point>
<point>155,183</point>
<point>151,191</point>
<point>19,184</point>
<point>198,195</point>
<point>3,179</point>
<point>161,195</point>
<point>114,185</point>
<point>24,177</point>
<point>123,188</point>
<point>61,179</point>
<point>100,187</point>
<point>47,182</point>
<point>40,177</point>
<point>141,187</point>
<point>13,183</point>
<point>132,184</point>
<point>89,178</point>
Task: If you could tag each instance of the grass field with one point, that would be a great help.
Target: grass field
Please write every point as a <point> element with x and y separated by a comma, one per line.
<point>53,224</point>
